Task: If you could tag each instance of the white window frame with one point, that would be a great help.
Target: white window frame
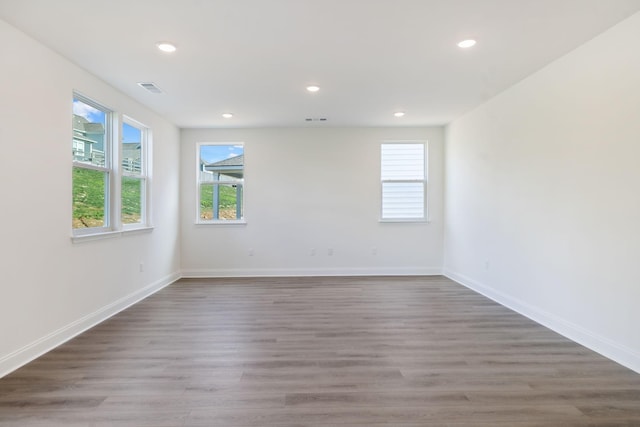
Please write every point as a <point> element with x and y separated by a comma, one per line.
<point>423,181</point>
<point>198,219</point>
<point>143,175</point>
<point>113,225</point>
<point>110,218</point>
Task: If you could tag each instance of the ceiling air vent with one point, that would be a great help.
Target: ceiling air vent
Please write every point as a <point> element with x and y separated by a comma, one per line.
<point>151,87</point>
<point>313,119</point>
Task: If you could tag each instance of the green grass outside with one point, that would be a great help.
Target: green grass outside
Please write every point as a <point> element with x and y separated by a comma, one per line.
<point>89,195</point>
<point>131,200</point>
<point>227,201</point>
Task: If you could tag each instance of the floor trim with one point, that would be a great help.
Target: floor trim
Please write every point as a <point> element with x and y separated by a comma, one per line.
<point>311,272</point>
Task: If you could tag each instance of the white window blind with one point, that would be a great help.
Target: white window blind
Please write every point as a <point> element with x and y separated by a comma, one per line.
<point>403,179</point>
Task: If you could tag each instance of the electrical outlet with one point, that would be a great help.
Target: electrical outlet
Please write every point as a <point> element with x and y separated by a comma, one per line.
<point>141,267</point>
<point>312,252</point>
<point>330,251</point>
<point>374,251</point>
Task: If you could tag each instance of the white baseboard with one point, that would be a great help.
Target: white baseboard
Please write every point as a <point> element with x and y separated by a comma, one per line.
<point>26,354</point>
<point>308,272</point>
<point>617,352</point>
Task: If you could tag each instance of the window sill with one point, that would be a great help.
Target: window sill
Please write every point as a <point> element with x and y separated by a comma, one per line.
<point>81,238</point>
<point>141,229</point>
<point>405,221</point>
<point>223,222</point>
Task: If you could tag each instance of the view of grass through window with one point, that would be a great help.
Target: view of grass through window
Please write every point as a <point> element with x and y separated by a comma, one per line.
<point>88,198</point>
<point>131,200</point>
<point>227,201</point>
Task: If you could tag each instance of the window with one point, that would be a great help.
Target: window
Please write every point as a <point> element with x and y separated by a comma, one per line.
<point>220,183</point>
<point>110,180</point>
<point>133,187</point>
<point>92,173</point>
<point>403,177</point>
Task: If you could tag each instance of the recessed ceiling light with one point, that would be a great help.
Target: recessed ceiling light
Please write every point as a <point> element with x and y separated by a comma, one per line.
<point>313,88</point>
<point>166,47</point>
<point>466,43</point>
<point>227,115</point>
<point>399,113</point>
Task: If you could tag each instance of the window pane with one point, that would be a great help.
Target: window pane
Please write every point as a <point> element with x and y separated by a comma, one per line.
<point>132,194</point>
<point>402,200</point>
<point>402,161</point>
<point>221,163</point>
<point>221,180</point>
<point>220,201</point>
<point>89,134</point>
<point>131,149</point>
<point>89,197</point>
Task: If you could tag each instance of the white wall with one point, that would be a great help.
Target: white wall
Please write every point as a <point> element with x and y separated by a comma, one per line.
<point>52,288</point>
<point>543,195</point>
<point>311,188</point>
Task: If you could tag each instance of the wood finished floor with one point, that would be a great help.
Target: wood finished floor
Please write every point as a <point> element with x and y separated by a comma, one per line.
<point>296,352</point>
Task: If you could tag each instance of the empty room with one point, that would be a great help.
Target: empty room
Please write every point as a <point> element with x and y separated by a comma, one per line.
<point>302,213</point>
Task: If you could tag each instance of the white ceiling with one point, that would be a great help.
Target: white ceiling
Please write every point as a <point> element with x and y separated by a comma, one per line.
<point>370,57</point>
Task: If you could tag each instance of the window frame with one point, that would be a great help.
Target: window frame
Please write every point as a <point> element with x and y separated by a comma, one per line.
<point>113,153</point>
<point>424,181</point>
<point>107,169</point>
<point>199,182</point>
<point>143,175</point>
